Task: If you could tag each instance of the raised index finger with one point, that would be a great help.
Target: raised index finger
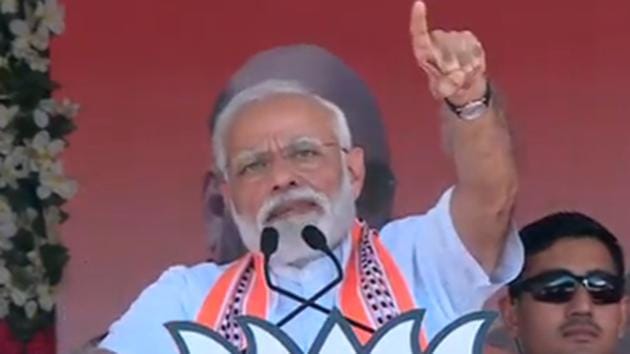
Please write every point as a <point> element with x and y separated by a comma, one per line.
<point>419,26</point>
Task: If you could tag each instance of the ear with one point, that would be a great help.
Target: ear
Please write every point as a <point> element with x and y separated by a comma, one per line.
<point>356,168</point>
<point>509,315</point>
<point>624,317</point>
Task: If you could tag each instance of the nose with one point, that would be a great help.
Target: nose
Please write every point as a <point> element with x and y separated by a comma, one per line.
<point>283,176</point>
<point>580,304</point>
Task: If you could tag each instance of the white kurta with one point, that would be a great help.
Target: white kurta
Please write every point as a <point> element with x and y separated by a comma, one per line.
<point>444,277</point>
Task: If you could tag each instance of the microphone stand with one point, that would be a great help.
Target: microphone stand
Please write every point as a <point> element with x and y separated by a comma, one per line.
<point>316,240</point>
<point>311,301</point>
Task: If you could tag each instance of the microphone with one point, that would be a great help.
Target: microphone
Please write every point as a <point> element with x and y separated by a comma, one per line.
<point>315,239</point>
<point>268,242</point>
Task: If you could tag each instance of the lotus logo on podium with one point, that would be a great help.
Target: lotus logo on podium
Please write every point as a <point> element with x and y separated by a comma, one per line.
<point>400,335</point>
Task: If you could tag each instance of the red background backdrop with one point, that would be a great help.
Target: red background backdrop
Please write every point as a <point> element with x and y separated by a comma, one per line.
<point>146,72</point>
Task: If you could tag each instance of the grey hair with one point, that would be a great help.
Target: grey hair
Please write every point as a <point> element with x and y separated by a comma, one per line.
<point>260,92</point>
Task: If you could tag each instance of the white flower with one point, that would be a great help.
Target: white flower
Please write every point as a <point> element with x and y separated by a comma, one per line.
<point>34,60</point>
<point>30,308</point>
<point>5,245</point>
<point>52,215</point>
<point>7,115</point>
<point>33,256</point>
<point>14,167</point>
<point>6,143</point>
<point>52,15</point>
<point>51,175</point>
<point>5,276</point>
<point>31,214</point>
<point>43,151</point>
<point>41,118</point>
<point>26,41</point>
<point>52,219</point>
<point>25,37</point>
<point>45,297</point>
<point>18,296</point>
<point>22,32</point>
<point>58,184</point>
<point>45,147</point>
<point>47,165</point>
<point>67,108</point>
<point>48,105</point>
<point>8,7</point>
<point>40,38</point>
<point>37,62</point>
<point>21,50</point>
<point>8,220</point>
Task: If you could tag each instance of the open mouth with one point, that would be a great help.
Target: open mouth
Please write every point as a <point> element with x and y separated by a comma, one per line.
<point>292,208</point>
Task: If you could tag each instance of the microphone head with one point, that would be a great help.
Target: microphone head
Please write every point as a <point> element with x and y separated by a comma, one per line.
<point>269,241</point>
<point>314,238</point>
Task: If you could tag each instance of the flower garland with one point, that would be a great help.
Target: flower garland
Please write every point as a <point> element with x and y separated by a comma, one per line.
<point>33,187</point>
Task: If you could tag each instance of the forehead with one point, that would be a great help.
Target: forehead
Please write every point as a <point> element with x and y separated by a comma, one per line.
<point>578,255</point>
<point>281,117</point>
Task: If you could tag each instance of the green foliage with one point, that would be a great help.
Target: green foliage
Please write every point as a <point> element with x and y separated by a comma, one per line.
<point>33,188</point>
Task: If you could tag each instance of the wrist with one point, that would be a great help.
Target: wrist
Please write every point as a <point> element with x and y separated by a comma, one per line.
<point>474,92</point>
<point>474,105</point>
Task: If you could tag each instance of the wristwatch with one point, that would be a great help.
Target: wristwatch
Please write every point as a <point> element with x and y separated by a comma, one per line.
<point>473,109</point>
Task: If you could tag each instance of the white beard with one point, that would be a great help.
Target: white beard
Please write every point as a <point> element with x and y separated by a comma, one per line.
<point>335,222</point>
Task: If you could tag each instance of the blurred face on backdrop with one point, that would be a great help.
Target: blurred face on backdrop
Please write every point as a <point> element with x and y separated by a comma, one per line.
<point>329,77</point>
<point>555,313</point>
<point>286,168</point>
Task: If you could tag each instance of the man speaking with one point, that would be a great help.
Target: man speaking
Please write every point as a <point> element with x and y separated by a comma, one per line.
<point>290,175</point>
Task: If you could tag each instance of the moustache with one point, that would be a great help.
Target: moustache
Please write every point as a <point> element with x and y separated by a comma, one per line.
<point>580,322</point>
<point>277,202</point>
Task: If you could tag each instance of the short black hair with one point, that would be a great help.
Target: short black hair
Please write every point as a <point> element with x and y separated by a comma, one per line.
<point>543,233</point>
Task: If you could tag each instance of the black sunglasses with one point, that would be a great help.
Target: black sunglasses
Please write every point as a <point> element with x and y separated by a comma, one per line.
<point>559,286</point>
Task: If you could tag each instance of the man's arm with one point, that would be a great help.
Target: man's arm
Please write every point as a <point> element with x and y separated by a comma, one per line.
<point>486,186</point>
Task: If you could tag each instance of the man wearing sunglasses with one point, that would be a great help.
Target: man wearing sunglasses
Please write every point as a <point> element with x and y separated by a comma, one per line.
<point>569,298</point>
